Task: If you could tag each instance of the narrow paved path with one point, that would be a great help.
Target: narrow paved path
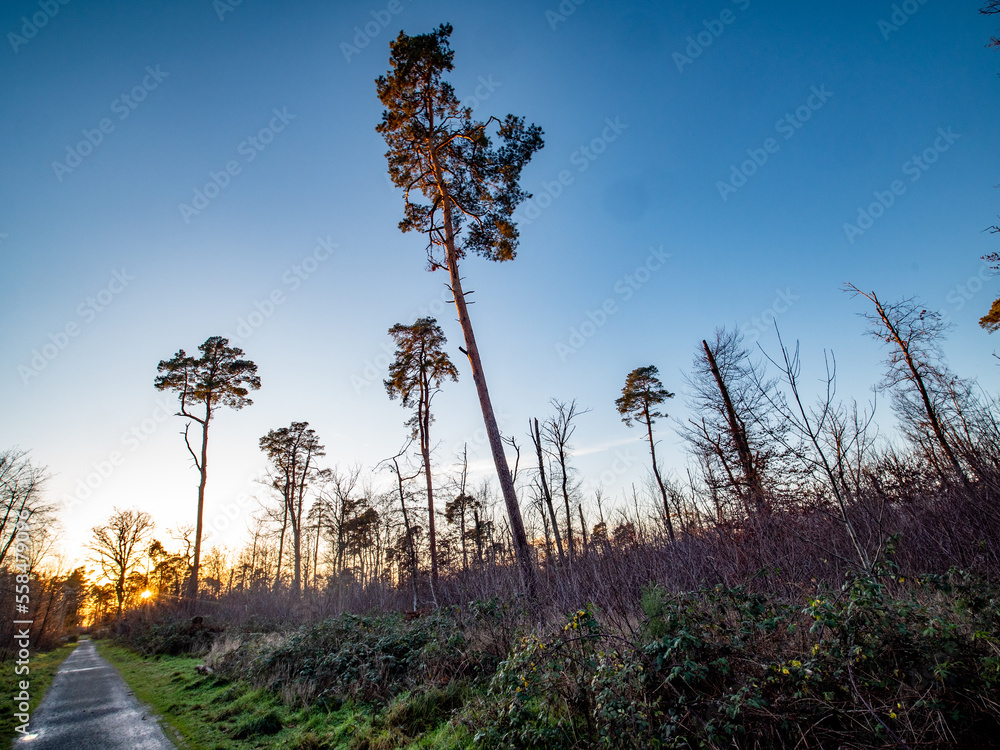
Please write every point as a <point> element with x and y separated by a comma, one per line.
<point>89,707</point>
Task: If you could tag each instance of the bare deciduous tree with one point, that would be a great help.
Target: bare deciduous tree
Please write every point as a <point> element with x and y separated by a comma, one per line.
<point>457,511</point>
<point>915,371</point>
<point>558,431</point>
<point>808,426</point>
<point>21,484</point>
<point>545,493</point>
<point>119,546</point>
<point>730,435</point>
<point>410,542</point>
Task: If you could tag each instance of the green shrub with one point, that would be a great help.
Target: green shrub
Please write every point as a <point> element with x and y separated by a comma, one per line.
<point>368,659</point>
<point>879,661</point>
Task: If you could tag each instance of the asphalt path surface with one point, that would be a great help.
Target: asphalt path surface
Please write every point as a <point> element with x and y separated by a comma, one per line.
<point>89,707</point>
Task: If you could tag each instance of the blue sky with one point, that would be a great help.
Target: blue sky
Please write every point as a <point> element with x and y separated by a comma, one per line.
<point>633,249</point>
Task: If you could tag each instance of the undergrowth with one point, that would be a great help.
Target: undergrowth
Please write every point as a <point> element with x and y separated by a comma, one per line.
<point>881,660</point>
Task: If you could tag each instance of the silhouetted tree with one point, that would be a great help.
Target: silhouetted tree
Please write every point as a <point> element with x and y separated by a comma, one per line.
<point>119,547</point>
<point>169,570</point>
<point>21,484</point>
<point>408,540</point>
<point>219,377</point>
<point>415,377</point>
<point>733,424</point>
<point>809,426</point>
<point>642,394</point>
<point>992,8</point>
<point>558,431</point>
<point>292,452</point>
<point>75,595</point>
<point>437,151</point>
<point>319,519</point>
<point>915,370</point>
<point>543,485</point>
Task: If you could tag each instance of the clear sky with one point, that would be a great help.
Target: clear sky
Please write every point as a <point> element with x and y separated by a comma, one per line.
<point>169,166</point>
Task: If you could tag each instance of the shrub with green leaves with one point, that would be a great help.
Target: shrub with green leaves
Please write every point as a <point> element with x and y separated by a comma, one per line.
<point>363,658</point>
<point>881,660</point>
<point>577,685</point>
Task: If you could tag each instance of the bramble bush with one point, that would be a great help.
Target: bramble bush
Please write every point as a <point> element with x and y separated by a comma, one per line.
<point>368,659</point>
<point>881,660</point>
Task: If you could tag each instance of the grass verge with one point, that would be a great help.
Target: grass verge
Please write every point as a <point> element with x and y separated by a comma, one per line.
<point>205,712</point>
<point>43,666</point>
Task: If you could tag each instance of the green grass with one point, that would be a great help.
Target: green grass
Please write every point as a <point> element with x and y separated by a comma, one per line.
<point>206,713</point>
<point>43,667</point>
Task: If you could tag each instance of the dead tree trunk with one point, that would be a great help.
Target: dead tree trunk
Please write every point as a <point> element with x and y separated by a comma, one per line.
<point>536,438</point>
<point>738,431</point>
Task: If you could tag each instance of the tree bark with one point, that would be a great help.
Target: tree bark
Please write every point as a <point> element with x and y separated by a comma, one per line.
<point>196,564</point>
<point>424,417</point>
<point>565,493</point>
<point>522,551</point>
<point>281,549</point>
<point>409,534</point>
<point>299,503</point>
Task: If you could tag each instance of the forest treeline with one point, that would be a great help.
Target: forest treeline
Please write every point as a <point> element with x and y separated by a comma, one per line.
<point>777,480</point>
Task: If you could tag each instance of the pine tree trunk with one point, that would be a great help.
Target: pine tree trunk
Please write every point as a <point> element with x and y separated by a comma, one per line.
<point>196,564</point>
<point>425,452</point>
<point>659,481</point>
<point>521,550</point>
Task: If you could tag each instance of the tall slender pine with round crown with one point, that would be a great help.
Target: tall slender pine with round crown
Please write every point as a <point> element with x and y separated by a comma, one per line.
<point>641,396</point>
<point>219,377</point>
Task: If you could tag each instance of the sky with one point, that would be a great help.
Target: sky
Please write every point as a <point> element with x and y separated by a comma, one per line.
<point>183,169</point>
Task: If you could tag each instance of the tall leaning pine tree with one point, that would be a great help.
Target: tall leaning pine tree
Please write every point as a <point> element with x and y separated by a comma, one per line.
<point>219,377</point>
<point>461,192</point>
